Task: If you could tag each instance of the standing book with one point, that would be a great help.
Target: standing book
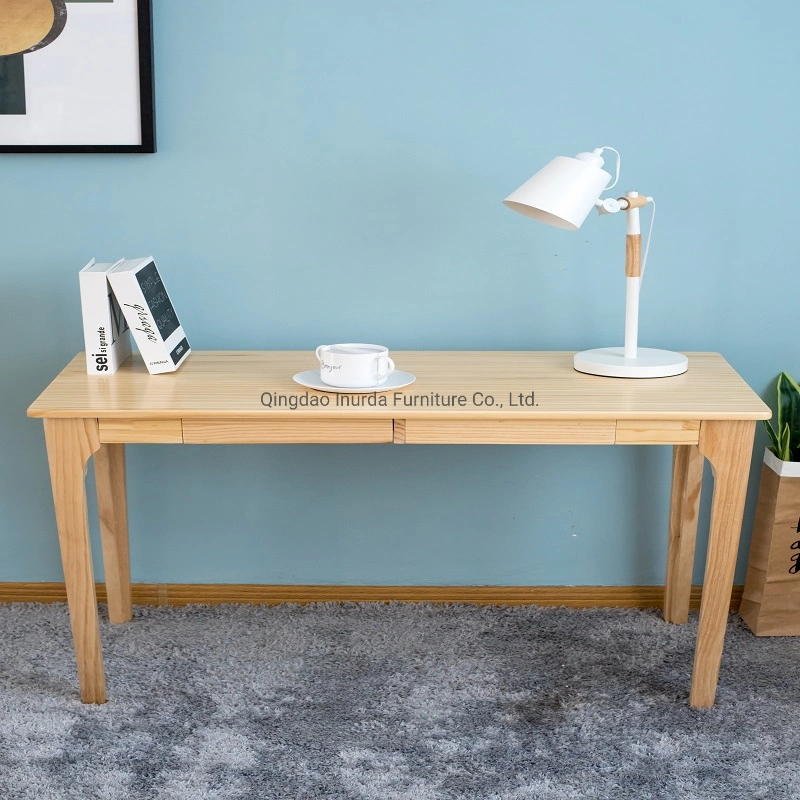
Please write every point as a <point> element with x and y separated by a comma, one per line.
<point>106,335</point>
<point>146,305</point>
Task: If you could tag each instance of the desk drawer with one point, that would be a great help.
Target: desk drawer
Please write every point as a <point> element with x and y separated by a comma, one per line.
<point>658,431</point>
<point>144,431</point>
<point>283,431</point>
<point>513,431</point>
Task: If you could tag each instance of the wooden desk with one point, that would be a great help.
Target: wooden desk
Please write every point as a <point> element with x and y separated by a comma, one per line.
<point>458,398</point>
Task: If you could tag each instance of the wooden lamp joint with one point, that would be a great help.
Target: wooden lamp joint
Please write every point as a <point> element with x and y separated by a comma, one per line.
<point>627,203</point>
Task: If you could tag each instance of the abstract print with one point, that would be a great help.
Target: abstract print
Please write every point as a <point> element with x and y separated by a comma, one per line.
<point>26,26</point>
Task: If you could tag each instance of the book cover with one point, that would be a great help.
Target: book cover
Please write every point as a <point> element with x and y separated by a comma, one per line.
<point>151,316</point>
<point>106,334</point>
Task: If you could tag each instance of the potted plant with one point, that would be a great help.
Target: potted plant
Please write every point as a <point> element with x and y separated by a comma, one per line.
<point>771,599</point>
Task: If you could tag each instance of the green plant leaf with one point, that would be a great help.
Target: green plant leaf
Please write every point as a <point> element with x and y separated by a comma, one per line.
<point>788,414</point>
<point>773,437</point>
<point>784,448</point>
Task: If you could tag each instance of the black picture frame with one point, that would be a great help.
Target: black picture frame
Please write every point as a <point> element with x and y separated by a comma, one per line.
<point>144,24</point>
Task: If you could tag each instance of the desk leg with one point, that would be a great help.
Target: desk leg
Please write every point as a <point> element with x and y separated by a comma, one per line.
<point>70,444</point>
<point>687,479</point>
<point>728,445</point>
<point>112,506</point>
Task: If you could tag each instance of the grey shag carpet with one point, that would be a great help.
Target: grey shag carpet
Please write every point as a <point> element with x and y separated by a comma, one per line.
<point>384,702</point>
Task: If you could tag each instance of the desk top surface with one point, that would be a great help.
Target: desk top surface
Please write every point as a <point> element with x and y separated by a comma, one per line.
<point>450,384</point>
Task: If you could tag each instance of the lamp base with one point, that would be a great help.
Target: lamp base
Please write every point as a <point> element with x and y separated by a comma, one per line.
<point>649,363</point>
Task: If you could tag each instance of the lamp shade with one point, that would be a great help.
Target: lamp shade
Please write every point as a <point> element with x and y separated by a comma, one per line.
<point>563,192</point>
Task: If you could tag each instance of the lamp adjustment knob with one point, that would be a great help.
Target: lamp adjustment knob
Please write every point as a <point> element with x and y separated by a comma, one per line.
<point>609,205</point>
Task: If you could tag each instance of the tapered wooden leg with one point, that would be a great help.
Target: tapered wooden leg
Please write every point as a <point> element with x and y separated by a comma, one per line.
<point>728,445</point>
<point>112,506</point>
<point>70,444</point>
<point>687,480</point>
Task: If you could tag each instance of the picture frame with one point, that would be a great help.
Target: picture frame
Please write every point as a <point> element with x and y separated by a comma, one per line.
<point>81,79</point>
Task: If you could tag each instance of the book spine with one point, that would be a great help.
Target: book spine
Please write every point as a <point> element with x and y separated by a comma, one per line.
<point>105,332</point>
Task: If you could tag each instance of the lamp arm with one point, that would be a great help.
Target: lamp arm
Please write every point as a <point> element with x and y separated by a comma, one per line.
<point>633,270</point>
<point>634,263</point>
<point>631,203</point>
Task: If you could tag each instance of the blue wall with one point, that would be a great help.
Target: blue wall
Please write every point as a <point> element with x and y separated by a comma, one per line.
<point>373,142</point>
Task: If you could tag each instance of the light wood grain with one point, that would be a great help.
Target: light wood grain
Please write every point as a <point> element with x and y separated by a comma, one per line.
<point>657,431</point>
<point>687,480</point>
<point>633,202</point>
<point>277,431</point>
<point>181,594</point>
<point>112,507</point>
<point>231,384</point>
<point>729,447</point>
<point>70,444</point>
<point>512,431</point>
<point>633,255</point>
<point>141,431</point>
<point>459,397</point>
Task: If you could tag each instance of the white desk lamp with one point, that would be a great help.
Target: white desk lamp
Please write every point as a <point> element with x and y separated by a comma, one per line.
<point>562,194</point>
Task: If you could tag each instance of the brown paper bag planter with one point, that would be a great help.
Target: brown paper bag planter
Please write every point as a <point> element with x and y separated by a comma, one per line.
<point>771,599</point>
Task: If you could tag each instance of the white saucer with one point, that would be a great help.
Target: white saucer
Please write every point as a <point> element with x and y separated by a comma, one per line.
<point>311,378</point>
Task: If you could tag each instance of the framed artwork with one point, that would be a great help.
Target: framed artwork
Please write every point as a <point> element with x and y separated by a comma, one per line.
<point>76,76</point>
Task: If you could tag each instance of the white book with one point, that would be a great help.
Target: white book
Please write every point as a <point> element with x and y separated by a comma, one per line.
<point>145,303</point>
<point>106,334</point>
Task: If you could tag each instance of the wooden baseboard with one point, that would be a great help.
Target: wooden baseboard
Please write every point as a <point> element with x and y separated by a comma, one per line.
<point>182,594</point>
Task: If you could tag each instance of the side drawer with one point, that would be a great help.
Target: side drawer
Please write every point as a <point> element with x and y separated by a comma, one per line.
<point>287,431</point>
<point>658,431</point>
<point>145,431</point>
<point>515,431</point>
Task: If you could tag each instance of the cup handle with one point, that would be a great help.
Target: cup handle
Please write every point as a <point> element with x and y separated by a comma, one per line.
<point>389,371</point>
<point>319,357</point>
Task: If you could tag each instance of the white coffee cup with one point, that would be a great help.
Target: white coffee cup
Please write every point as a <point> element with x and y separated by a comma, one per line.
<point>354,365</point>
